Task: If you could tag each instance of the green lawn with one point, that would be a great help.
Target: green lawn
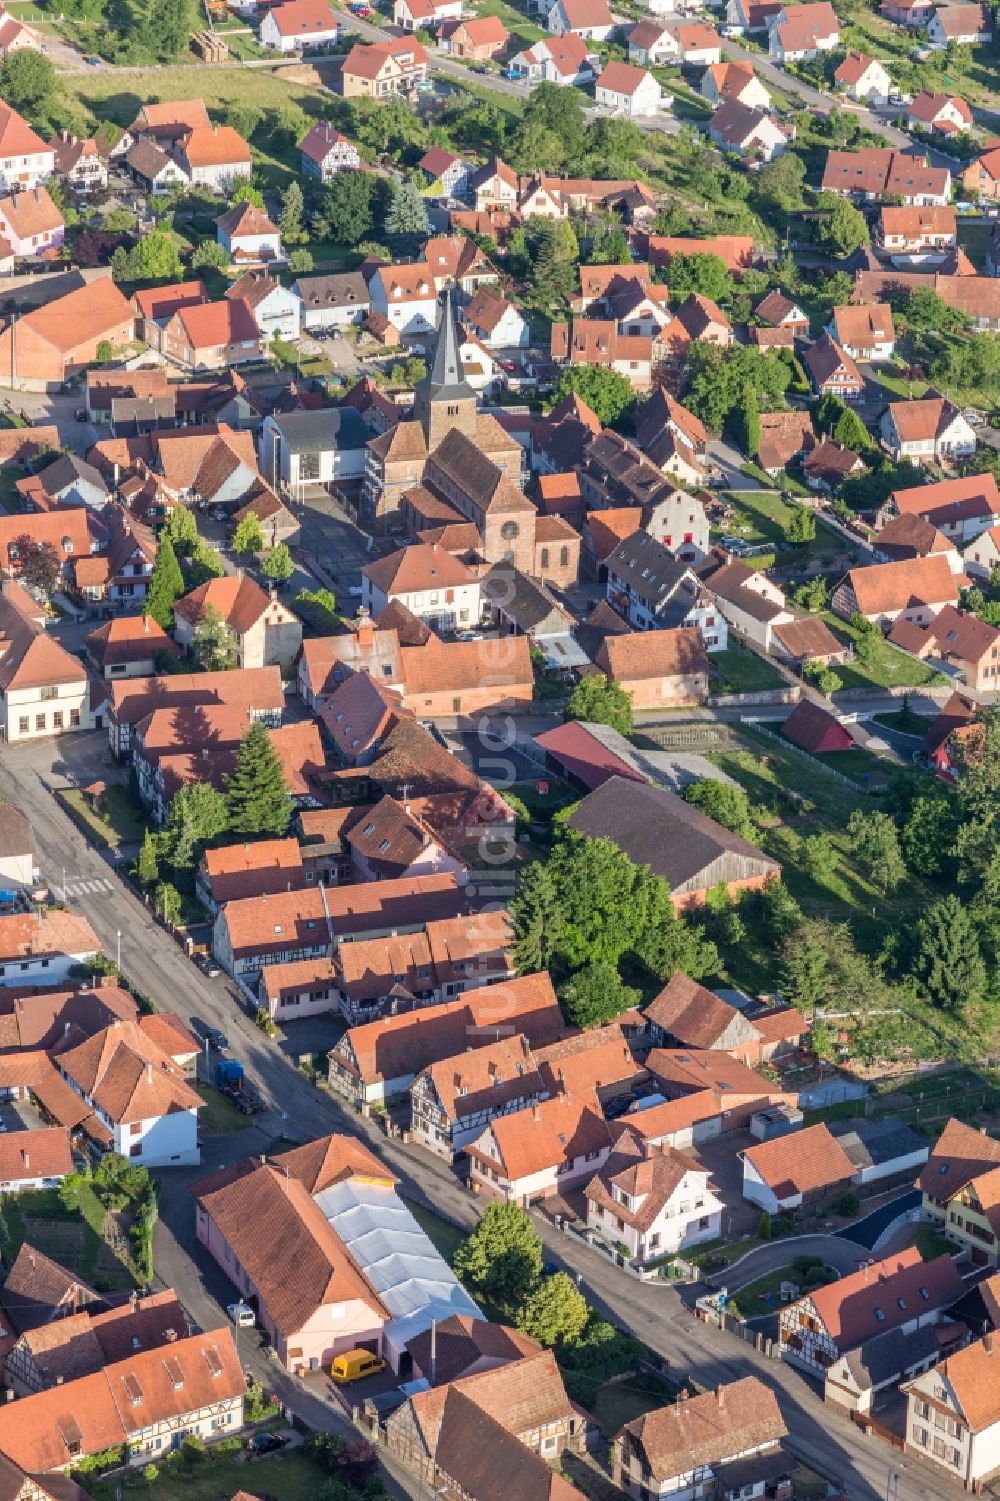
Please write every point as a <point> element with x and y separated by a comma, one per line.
<point>293,1477</point>
<point>762,516</point>
<point>894,669</point>
<point>764,1295</point>
<point>930,1243</point>
<point>523,32</point>
<point>862,766</point>
<point>73,1237</point>
<point>738,671</point>
<point>905,722</point>
<point>123,825</point>
<point>616,1404</point>
<point>10,501</point>
<point>219,1114</point>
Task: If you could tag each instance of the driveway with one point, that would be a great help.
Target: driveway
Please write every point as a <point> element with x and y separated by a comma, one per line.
<point>833,1250</point>
<point>867,1231</point>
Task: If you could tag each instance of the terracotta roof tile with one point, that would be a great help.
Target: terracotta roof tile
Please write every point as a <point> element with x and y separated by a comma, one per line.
<point>801,1163</point>
<point>901,1286</point>
<point>699,1431</point>
<point>544,1136</point>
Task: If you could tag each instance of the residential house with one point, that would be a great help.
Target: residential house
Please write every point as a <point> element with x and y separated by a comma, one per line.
<point>43,689</point>
<point>651,44</point>
<point>120,576</point>
<point>412,15</point>
<point>958,1183</point>
<point>325,152</point>
<point>920,234</point>
<point>457,262</point>
<point>913,13</point>
<point>138,1093</point>
<point>878,1366</point>
<point>684,1014</point>
<point>696,44</point>
<point>25,160</point>
<point>299,26</point>
<point>914,537</point>
<point>306,451</point>
<point>257,690</point>
<point>983,176</point>
<point>498,323</point>
<point>155,306</point>
<point>964,25</point>
<point>864,79</point>
<point>752,15</point>
<point>864,332</point>
<point>214,156</point>
<point>660,669</point>
<point>390,841</point>
<point>789,1171</point>
<point>378,71</point>
<point>454,1100</point>
<point>79,163</point>
<point>30,222</point>
<point>589,19</point>
<point>698,317</point>
<point>802,32</point>
<point>953,1410</point>
<point>15,36</point>
<point>654,1200</point>
<point>212,336</point>
<point>915,589</point>
<point>879,172</point>
<point>650,586</point>
<point>832,370</point>
<point>34,1159</point>
<point>597,341</point>
<point>153,169</point>
<point>960,508</point>
<point>545,1149</point>
<point>808,640</point>
<point>379,1060</point>
<point>264,630</point>
<point>406,295</point>
<point>128,646</point>
<point>686,1450</point>
<point>745,600</point>
<point>555,59</point>
<point>429,581</point>
<point>930,429</point>
<point>479,39</point>
<point>336,301</point>
<point>748,132</point>
<point>245,232</point>
<point>982,555</point>
<point>901,1291</point>
<point>276,309</point>
<point>657,828</point>
<point>724,81</point>
<point>939,114</point>
<point>306,924</point>
<point>79,1344</point>
<point>721,1094</point>
<point>142,1405</point>
<point>784,437</point>
<point>238,871</point>
<point>45,347</point>
<point>627,90</point>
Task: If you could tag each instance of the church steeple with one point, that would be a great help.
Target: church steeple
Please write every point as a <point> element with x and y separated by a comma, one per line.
<point>444,399</point>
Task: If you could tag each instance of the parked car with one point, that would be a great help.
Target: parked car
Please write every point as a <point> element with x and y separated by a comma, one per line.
<point>208,966</point>
<point>470,636</point>
<point>266,1443</point>
<point>212,1035</point>
<point>242,1315</point>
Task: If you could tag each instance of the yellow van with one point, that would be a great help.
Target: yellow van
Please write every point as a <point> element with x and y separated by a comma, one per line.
<point>355,1365</point>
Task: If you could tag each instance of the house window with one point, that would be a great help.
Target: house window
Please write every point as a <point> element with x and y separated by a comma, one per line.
<point>544,558</point>
<point>74,719</point>
<point>39,721</point>
<point>57,720</point>
<point>564,557</point>
<point>22,724</point>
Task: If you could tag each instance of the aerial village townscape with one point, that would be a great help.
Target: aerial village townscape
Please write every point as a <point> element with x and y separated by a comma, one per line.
<point>499,750</point>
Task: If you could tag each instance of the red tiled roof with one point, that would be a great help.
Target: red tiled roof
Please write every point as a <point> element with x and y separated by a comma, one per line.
<point>801,1163</point>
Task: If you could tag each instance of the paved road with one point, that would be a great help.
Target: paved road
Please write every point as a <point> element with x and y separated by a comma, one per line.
<point>836,1252</point>
<point>654,1312</point>
<point>813,98</point>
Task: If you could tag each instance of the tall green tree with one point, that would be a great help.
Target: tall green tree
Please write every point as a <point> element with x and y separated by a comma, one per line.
<point>348,208</point>
<point>292,210</point>
<point>256,792</point>
<point>598,701</point>
<point>949,962</point>
<point>537,919</point>
<point>850,432</point>
<point>181,527</point>
<point>407,211</point>
<point>596,994</point>
<point>801,525</point>
<point>277,563</point>
<point>706,274</point>
<point>213,645</point>
<point>929,833</point>
<point>727,805</point>
<point>845,229</point>
<point>28,82</point>
<point>503,1255</point>
<point>166,585</point>
<point>607,392</point>
<point>147,866</point>
<point>560,111</point>
<point>978,792</point>
<point>820,964</point>
<point>249,535</point>
<point>749,423</point>
<point>875,844</point>
<point>197,814</point>
<point>555,1312</point>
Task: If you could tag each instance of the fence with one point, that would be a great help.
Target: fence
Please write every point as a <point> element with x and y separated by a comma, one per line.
<point>868,1424</point>
<point>694,737</point>
<point>761,729</point>
<point>788,695</point>
<point>708,1311</point>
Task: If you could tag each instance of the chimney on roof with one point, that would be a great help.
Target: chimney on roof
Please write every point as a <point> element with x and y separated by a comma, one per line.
<point>536,1113</point>
<point>149,1073</point>
<point>432,1363</point>
<point>988,1343</point>
<point>720,1397</point>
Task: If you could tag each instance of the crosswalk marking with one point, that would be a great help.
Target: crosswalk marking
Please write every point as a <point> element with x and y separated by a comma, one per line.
<point>85,888</point>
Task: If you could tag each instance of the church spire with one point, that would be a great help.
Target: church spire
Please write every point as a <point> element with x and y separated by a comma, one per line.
<point>444,398</point>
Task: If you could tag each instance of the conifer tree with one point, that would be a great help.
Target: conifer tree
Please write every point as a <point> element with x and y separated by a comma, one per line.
<point>256,791</point>
<point>166,585</point>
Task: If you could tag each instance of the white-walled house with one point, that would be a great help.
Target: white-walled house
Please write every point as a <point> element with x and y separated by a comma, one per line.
<point>928,429</point>
<point>317,448</point>
<point>138,1094</point>
<point>535,1153</point>
<point>654,1200</point>
<point>325,152</point>
<point>982,554</point>
<point>40,948</point>
<point>590,19</point>
<point>276,308</point>
<point>25,160</point>
<point>863,79</point>
<point>953,1413</point>
<point>792,1170</point>
<point>629,91</point>
<point>407,296</point>
<point>17,848</point>
<point>433,584</point>
<point>297,25</point>
<point>247,234</point>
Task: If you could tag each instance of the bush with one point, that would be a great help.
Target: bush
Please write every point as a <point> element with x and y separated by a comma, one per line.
<point>764,1227</point>
<point>193,1449</point>
<point>847,1205</point>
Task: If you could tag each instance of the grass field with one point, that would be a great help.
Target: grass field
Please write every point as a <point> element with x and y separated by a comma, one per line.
<point>72,1237</point>
<point>220,1114</point>
<point>737,671</point>
<point>617,1403</point>
<point>9,498</point>
<point>862,766</point>
<point>892,670</point>
<point>905,722</point>
<point>124,826</point>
